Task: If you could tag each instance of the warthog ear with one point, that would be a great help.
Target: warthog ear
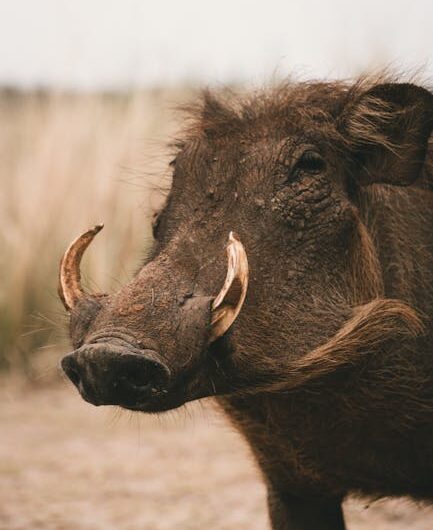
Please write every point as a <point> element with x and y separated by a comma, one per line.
<point>388,127</point>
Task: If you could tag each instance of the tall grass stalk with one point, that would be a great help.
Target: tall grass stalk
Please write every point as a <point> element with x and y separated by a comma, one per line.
<point>66,163</point>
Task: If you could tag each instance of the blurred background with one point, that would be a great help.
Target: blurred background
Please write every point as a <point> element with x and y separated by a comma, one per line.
<point>88,92</point>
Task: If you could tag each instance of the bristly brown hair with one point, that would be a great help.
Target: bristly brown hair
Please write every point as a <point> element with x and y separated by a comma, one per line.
<point>328,104</point>
<point>365,281</point>
<point>373,326</point>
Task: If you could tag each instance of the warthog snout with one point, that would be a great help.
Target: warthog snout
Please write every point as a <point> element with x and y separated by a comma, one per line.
<point>107,374</point>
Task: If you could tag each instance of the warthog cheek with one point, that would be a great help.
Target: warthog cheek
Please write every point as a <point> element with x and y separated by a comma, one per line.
<point>194,326</point>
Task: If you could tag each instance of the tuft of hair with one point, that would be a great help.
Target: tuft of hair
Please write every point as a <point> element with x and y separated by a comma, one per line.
<point>366,280</point>
<point>226,112</point>
<point>372,328</point>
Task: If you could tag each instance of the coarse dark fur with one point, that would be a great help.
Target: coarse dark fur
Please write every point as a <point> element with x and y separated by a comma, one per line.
<point>328,370</point>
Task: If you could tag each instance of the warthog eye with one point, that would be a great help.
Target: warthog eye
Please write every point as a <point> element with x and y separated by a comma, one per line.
<point>309,162</point>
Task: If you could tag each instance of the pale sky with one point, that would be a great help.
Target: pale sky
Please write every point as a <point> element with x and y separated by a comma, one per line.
<point>123,43</point>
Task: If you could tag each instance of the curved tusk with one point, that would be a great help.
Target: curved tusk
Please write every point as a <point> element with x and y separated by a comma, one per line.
<point>228,303</point>
<point>70,290</point>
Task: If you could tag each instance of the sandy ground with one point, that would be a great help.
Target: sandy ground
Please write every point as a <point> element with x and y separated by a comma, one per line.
<point>65,465</point>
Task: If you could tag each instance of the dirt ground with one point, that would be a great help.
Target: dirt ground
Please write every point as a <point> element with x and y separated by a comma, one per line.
<point>65,465</point>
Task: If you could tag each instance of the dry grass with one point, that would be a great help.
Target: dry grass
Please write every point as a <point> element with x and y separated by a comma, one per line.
<point>67,162</point>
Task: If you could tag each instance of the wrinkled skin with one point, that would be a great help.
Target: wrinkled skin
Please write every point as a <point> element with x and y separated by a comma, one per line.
<point>329,189</point>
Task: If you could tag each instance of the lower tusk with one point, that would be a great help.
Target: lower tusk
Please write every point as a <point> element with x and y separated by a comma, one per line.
<point>229,301</point>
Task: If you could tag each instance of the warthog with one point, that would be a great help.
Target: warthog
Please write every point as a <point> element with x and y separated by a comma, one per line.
<point>317,337</point>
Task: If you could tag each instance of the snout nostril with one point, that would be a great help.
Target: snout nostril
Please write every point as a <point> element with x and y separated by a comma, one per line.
<point>136,379</point>
<point>140,374</point>
<point>70,368</point>
<point>74,376</point>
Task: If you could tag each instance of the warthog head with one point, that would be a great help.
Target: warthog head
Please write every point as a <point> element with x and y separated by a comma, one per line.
<point>260,253</point>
